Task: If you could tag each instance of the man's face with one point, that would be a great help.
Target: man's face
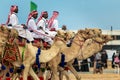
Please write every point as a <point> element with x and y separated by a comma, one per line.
<point>16,10</point>
<point>35,16</point>
<point>45,15</point>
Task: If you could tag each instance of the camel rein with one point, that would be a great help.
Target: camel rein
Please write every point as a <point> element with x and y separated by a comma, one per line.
<point>79,44</point>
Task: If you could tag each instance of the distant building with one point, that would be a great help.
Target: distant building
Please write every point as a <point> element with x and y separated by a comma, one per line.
<point>115,43</point>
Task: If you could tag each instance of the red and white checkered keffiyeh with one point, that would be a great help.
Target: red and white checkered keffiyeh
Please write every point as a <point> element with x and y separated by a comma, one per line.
<point>31,15</point>
<point>50,22</point>
<point>42,13</point>
<point>12,9</point>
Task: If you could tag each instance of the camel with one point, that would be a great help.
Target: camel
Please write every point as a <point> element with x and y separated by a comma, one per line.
<point>85,43</point>
<point>29,53</point>
<point>78,41</point>
<point>29,49</point>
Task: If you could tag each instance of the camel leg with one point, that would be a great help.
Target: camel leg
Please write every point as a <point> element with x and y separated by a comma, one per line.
<point>48,74</point>
<point>25,72</point>
<point>4,73</point>
<point>30,70</point>
<point>54,70</point>
<point>73,71</point>
<point>15,76</point>
<point>63,72</point>
<point>27,64</point>
<point>32,73</point>
<point>54,75</point>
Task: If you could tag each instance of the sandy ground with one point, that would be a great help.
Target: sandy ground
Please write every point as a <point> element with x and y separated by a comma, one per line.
<point>108,74</point>
<point>90,76</point>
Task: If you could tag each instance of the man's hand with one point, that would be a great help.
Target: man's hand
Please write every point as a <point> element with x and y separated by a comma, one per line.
<point>46,32</point>
<point>52,29</point>
<point>41,28</point>
<point>24,26</point>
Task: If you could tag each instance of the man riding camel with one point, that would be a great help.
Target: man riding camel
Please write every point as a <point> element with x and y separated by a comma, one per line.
<point>33,28</point>
<point>43,23</point>
<point>13,22</point>
<point>53,22</point>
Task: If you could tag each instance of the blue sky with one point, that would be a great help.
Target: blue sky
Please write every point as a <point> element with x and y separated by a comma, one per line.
<point>76,14</point>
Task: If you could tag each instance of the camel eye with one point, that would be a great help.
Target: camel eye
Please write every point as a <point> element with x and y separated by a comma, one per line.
<point>9,30</point>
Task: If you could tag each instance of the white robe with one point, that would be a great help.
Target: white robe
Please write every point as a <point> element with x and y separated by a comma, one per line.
<point>38,33</point>
<point>43,23</point>
<point>22,32</point>
<point>13,19</point>
<point>55,24</point>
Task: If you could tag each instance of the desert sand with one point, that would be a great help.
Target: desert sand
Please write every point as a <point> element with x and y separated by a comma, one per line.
<point>108,74</point>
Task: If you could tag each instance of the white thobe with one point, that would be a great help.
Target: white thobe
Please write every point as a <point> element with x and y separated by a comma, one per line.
<point>21,31</point>
<point>38,33</point>
<point>43,23</point>
<point>13,19</point>
<point>54,24</point>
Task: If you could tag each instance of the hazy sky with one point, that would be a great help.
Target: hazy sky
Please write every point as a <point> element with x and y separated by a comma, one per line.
<point>76,14</point>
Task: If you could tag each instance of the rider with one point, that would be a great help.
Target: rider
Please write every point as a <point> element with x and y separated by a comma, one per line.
<point>53,22</point>
<point>12,17</point>
<point>33,28</point>
<point>43,23</point>
<point>13,22</point>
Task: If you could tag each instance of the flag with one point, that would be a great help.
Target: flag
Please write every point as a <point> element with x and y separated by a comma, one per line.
<point>33,6</point>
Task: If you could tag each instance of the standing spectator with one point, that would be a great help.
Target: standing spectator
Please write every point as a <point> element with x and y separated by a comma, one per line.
<point>97,59</point>
<point>75,65</point>
<point>116,58</point>
<point>104,58</point>
<point>92,58</point>
<point>84,66</point>
<point>113,60</point>
<point>98,56</point>
<point>64,27</point>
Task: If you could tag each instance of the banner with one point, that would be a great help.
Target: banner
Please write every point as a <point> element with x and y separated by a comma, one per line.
<point>33,6</point>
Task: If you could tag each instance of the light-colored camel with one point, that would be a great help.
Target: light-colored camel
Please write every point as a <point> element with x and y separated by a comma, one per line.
<point>29,61</point>
<point>29,53</point>
<point>85,44</point>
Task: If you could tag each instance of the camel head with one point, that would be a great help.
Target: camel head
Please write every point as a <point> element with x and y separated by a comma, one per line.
<point>66,35</point>
<point>94,43</point>
<point>92,32</point>
<point>61,33</point>
<point>69,34</point>
<point>107,38</point>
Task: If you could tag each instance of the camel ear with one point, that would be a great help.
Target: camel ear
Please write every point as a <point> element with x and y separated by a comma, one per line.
<point>2,28</point>
<point>58,32</point>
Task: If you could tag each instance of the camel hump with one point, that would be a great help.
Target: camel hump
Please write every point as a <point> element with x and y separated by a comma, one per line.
<point>47,55</point>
